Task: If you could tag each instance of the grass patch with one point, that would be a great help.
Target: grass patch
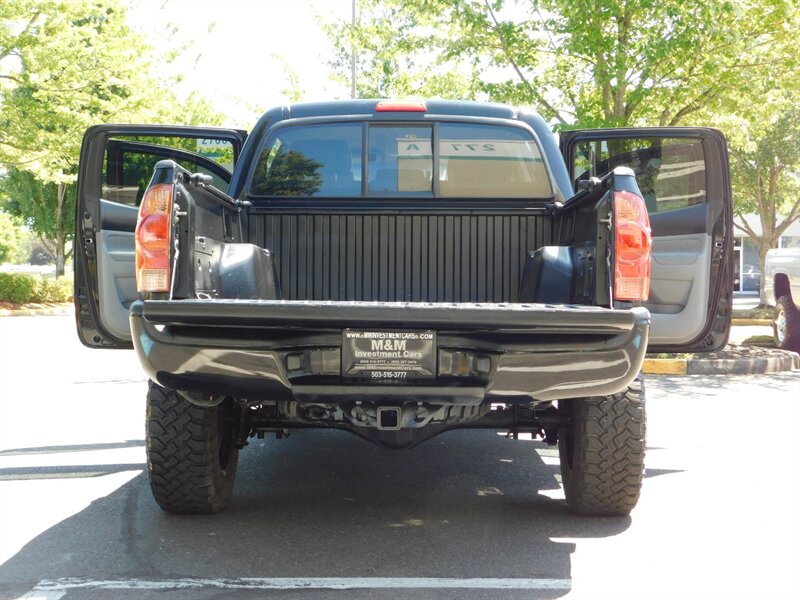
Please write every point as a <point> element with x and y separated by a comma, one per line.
<point>758,312</point>
<point>686,355</point>
<point>765,341</point>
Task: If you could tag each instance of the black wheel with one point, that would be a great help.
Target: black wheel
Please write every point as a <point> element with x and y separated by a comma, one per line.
<point>602,452</point>
<point>786,324</point>
<point>191,457</point>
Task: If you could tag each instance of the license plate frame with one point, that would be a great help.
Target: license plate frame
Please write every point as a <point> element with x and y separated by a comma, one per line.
<point>389,354</point>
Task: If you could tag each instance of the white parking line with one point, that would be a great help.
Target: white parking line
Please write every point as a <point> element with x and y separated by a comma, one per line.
<point>62,586</point>
<point>36,594</point>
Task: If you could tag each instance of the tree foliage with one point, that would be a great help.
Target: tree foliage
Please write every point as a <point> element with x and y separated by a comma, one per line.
<point>65,65</point>
<point>69,64</point>
<point>604,62</point>
<point>10,238</point>
<point>401,51</point>
<point>25,195</point>
<point>764,146</point>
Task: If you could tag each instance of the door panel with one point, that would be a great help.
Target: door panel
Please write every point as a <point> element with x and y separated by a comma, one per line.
<point>115,264</point>
<point>115,270</point>
<point>684,178</point>
<point>677,304</point>
<point>115,168</point>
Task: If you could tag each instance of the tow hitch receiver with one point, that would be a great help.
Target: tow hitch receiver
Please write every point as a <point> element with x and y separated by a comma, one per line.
<point>389,418</point>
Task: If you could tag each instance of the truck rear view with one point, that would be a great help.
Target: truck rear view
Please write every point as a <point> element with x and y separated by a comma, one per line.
<point>395,270</point>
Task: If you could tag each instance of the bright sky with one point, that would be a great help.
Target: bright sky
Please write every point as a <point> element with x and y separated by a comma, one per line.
<point>237,68</point>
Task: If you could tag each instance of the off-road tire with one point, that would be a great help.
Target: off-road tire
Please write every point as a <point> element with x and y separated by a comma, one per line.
<point>602,452</point>
<point>191,458</point>
<point>786,324</point>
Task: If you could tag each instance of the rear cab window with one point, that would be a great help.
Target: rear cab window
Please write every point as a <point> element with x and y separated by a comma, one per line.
<point>414,160</point>
<point>491,162</point>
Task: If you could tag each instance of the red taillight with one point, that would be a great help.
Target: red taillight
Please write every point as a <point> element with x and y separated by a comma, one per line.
<point>153,239</point>
<point>633,245</point>
<point>400,106</point>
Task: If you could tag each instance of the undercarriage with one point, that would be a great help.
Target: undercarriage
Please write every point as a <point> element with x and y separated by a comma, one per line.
<point>399,424</point>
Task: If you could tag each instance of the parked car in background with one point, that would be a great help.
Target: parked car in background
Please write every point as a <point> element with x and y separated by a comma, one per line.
<point>782,286</point>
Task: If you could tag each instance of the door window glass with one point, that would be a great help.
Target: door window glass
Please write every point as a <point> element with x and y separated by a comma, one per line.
<point>670,171</point>
<point>130,160</point>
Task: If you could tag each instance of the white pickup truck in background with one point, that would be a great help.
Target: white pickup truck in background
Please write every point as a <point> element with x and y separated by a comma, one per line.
<point>782,286</point>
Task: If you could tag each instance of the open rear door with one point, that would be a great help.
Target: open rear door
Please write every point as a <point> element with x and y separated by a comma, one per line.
<point>115,168</point>
<point>684,177</point>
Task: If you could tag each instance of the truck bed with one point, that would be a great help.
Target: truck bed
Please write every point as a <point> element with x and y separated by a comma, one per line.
<point>391,253</point>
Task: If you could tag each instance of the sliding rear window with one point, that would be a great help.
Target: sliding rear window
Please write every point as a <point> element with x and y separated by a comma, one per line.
<point>398,160</point>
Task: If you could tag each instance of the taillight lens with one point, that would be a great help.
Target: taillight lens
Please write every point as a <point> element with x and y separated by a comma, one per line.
<point>153,239</point>
<point>633,244</point>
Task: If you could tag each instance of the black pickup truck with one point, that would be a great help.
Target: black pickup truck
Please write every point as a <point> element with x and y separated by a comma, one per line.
<point>398,270</point>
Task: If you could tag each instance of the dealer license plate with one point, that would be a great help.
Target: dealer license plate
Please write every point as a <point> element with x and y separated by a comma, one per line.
<point>388,354</point>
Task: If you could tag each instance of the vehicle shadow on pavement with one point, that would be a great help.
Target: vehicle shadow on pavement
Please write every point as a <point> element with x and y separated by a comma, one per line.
<point>468,504</point>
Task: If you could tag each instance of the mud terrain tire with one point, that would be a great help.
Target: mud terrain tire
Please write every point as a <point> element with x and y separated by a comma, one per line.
<point>602,452</point>
<point>191,458</point>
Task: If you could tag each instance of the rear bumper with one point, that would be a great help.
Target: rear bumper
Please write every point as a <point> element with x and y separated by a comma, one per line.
<point>291,350</point>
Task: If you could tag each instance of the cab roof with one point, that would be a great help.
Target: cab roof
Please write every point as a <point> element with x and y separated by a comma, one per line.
<point>433,107</point>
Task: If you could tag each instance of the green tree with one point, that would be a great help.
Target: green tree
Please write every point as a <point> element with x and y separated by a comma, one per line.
<point>292,91</point>
<point>765,165</point>
<point>65,65</point>
<point>28,197</point>
<point>401,51</point>
<point>27,240</point>
<point>10,238</point>
<point>605,62</point>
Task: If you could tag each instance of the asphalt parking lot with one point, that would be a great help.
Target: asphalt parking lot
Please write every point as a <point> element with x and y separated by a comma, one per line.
<point>467,515</point>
